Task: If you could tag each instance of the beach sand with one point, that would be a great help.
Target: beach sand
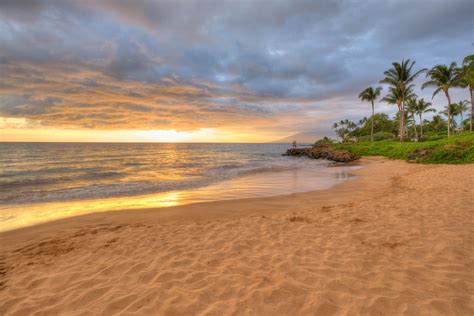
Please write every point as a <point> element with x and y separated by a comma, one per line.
<point>398,239</point>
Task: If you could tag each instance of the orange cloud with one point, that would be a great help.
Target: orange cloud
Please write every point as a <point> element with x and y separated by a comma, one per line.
<point>73,96</point>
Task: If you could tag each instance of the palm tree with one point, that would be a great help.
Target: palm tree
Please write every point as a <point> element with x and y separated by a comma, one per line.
<point>335,127</point>
<point>398,97</point>
<point>362,121</point>
<point>466,80</point>
<point>351,125</point>
<point>400,77</point>
<point>370,94</point>
<point>443,78</point>
<point>462,107</point>
<point>437,123</point>
<point>450,112</point>
<point>412,109</point>
<point>421,108</point>
<point>456,111</point>
<point>344,127</point>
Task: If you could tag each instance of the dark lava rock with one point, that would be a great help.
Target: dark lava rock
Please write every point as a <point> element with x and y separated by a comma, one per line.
<point>323,151</point>
<point>419,154</point>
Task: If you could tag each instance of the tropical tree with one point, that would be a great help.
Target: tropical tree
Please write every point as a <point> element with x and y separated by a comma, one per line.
<point>382,123</point>
<point>462,107</point>
<point>443,78</point>
<point>370,94</point>
<point>423,107</point>
<point>412,107</point>
<point>350,125</point>
<point>437,124</point>
<point>343,128</point>
<point>335,126</point>
<point>450,112</point>
<point>466,80</point>
<point>400,77</point>
<point>362,121</point>
<point>398,96</point>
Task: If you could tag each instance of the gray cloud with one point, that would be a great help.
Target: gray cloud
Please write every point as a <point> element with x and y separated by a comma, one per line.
<point>193,64</point>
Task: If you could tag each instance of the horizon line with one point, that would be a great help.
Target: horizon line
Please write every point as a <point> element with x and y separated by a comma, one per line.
<point>112,142</point>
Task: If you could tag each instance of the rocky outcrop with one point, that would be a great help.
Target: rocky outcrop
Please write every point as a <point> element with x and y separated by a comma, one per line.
<point>323,151</point>
<point>419,154</point>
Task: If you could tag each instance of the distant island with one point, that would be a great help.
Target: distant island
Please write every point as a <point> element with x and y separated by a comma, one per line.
<point>300,138</point>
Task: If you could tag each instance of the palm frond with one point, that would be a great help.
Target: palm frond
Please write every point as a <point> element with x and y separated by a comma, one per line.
<point>436,92</point>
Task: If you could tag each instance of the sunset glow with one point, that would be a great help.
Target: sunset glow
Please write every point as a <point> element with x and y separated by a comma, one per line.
<point>165,136</point>
<point>123,71</point>
<point>236,157</point>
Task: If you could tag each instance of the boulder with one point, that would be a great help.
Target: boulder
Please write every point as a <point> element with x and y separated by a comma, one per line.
<point>323,151</point>
<point>419,154</point>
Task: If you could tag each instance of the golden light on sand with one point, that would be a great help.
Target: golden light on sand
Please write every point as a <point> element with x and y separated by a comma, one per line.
<point>41,213</point>
<point>358,240</point>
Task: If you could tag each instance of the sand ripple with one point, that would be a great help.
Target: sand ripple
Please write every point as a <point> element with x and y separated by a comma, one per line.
<point>409,251</point>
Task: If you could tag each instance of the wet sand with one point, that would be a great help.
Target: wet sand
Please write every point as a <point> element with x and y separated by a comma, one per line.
<point>315,175</point>
<point>398,239</point>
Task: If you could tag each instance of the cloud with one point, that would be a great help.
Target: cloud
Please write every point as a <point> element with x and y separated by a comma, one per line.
<point>287,65</point>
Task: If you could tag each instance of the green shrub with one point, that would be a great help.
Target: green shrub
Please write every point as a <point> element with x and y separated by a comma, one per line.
<point>377,137</point>
<point>455,150</point>
<point>324,141</point>
<point>435,133</point>
<point>430,138</point>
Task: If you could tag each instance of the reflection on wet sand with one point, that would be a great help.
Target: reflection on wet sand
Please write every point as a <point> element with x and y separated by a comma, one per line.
<point>249,186</point>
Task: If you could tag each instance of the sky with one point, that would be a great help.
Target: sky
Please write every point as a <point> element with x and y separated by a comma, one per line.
<point>211,71</point>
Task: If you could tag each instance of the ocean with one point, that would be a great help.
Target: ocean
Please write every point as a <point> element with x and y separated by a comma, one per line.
<point>46,181</point>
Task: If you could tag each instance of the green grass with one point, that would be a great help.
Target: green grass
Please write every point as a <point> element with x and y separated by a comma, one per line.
<point>458,149</point>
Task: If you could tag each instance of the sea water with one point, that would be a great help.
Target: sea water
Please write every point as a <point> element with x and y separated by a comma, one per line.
<point>46,181</point>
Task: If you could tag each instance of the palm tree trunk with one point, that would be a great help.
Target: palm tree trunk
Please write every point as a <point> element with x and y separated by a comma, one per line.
<point>472,111</point>
<point>401,128</point>
<point>372,125</point>
<point>449,113</point>
<point>414,126</point>
<point>421,126</point>
<point>404,123</point>
<point>455,124</point>
<point>462,126</point>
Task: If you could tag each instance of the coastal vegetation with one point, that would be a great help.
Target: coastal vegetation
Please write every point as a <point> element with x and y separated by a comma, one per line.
<point>446,138</point>
<point>370,94</point>
<point>324,149</point>
<point>458,149</point>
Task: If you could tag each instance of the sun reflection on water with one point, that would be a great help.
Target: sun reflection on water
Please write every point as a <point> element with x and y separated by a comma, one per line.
<point>255,185</point>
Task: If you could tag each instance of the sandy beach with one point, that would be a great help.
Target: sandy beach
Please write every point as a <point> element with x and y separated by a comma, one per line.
<point>397,239</point>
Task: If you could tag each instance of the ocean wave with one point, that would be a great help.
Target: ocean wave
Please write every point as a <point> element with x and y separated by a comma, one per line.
<point>38,181</point>
<point>46,171</point>
<point>138,170</point>
<point>266,169</point>
<point>128,188</point>
<point>100,191</point>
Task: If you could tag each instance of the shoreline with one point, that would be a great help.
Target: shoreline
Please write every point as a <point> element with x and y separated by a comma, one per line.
<point>250,185</point>
<point>392,240</point>
<point>191,212</point>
